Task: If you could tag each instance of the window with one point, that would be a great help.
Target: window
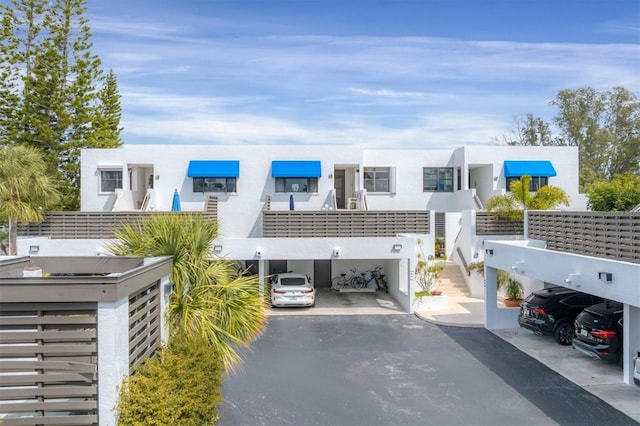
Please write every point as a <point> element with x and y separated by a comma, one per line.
<point>437,179</point>
<point>376,179</point>
<point>214,184</point>
<point>536,182</point>
<point>110,180</point>
<point>292,184</point>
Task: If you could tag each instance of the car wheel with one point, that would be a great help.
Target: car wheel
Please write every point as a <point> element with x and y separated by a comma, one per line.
<point>564,333</point>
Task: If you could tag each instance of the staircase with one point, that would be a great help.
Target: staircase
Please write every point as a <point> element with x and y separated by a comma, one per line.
<point>452,281</point>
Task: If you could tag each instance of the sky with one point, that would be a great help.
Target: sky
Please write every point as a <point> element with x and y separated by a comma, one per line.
<point>410,74</point>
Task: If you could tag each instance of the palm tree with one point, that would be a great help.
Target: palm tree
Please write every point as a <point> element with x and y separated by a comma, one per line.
<point>512,205</point>
<point>210,298</point>
<point>25,189</point>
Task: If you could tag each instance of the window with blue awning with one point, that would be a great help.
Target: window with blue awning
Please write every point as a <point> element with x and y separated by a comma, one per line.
<point>213,168</point>
<point>296,176</point>
<point>540,172</point>
<point>531,168</point>
<point>296,169</point>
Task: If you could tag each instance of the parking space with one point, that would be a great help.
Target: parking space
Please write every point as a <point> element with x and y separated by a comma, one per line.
<point>330,302</point>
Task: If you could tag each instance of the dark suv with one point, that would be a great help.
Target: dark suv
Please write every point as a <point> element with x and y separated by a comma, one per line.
<point>551,311</point>
<point>599,331</point>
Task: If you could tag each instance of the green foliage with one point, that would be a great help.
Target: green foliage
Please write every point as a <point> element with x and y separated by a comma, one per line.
<point>513,289</point>
<point>511,206</point>
<point>605,126</point>
<point>622,193</point>
<point>25,188</point>
<point>180,385</point>
<point>48,91</point>
<point>210,298</point>
<point>502,276</point>
<point>427,272</point>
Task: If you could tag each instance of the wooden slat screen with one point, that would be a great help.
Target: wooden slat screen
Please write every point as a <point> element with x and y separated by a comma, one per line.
<point>89,225</point>
<point>301,224</point>
<point>144,324</point>
<point>488,224</point>
<point>48,363</point>
<point>614,235</point>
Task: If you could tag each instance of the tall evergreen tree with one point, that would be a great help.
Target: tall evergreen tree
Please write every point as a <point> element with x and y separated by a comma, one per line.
<point>61,109</point>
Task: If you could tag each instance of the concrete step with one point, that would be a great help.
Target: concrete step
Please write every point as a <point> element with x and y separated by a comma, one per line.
<point>452,281</point>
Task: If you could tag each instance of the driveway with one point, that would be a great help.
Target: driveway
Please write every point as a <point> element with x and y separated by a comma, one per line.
<point>398,370</point>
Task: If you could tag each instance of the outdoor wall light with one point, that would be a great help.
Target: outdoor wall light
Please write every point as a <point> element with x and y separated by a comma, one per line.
<point>259,252</point>
<point>519,266</point>
<point>34,249</point>
<point>336,252</point>
<point>396,248</point>
<point>489,252</point>
<point>217,248</point>
<point>573,280</point>
<point>606,277</point>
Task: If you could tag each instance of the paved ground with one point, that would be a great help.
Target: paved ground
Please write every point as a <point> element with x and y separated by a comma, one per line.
<point>400,370</point>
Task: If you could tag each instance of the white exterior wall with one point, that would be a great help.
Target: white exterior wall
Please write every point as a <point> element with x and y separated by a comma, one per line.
<point>240,212</point>
<point>569,270</point>
<point>113,356</point>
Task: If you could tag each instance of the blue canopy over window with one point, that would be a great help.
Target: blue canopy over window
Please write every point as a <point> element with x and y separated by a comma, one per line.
<point>531,168</point>
<point>296,169</point>
<point>220,169</point>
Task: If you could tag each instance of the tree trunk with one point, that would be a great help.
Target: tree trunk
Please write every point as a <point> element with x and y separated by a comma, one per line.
<point>13,237</point>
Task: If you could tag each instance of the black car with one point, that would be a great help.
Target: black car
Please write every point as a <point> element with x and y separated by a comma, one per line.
<point>599,331</point>
<point>551,312</point>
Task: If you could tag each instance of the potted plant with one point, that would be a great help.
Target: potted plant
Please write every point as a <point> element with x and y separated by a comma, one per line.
<point>513,292</point>
<point>512,287</point>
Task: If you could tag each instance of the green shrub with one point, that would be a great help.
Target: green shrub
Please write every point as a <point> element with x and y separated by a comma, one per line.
<point>180,385</point>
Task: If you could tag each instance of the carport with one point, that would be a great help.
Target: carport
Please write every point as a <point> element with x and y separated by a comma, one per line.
<point>529,260</point>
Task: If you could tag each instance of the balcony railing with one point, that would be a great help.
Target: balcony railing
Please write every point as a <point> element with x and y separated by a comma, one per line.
<point>489,224</point>
<point>614,235</point>
<point>343,223</point>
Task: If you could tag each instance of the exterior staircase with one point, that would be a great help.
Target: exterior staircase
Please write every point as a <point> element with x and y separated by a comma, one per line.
<point>452,281</point>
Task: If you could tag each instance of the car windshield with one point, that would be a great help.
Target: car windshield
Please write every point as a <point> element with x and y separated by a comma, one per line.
<point>293,281</point>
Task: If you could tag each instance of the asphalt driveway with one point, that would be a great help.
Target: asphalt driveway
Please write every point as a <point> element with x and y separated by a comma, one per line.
<point>399,370</point>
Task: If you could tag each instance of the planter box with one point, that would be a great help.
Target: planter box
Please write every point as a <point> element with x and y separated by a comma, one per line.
<point>430,303</point>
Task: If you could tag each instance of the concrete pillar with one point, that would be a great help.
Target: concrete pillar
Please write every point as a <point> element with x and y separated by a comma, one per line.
<point>631,338</point>
<point>113,356</point>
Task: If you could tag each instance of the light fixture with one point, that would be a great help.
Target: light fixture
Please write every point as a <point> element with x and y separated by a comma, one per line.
<point>606,277</point>
<point>259,252</point>
<point>489,252</point>
<point>519,266</point>
<point>573,280</point>
<point>34,249</point>
<point>396,248</point>
<point>217,248</point>
<point>336,252</point>
<point>157,177</point>
<point>495,178</point>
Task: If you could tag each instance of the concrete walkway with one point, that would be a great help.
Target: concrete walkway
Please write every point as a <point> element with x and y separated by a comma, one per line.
<point>602,379</point>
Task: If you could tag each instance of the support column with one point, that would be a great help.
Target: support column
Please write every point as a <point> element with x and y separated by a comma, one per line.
<point>631,338</point>
<point>113,356</point>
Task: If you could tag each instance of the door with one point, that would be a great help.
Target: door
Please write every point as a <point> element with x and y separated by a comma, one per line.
<point>339,185</point>
<point>322,273</point>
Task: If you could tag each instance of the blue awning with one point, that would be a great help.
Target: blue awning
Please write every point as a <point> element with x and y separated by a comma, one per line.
<point>215,169</point>
<point>296,169</point>
<point>531,168</point>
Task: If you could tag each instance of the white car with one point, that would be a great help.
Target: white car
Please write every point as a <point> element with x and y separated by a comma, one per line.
<point>292,289</point>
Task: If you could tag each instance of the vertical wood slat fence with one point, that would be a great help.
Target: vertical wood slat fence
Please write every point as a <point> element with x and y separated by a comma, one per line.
<point>48,362</point>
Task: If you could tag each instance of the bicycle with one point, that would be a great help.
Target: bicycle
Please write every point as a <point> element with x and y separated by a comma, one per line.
<point>364,280</point>
<point>378,274</point>
<point>339,283</point>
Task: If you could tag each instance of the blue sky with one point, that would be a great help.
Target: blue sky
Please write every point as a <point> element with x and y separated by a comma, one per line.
<point>376,73</point>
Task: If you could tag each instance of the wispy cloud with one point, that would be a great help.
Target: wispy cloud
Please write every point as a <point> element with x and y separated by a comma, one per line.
<point>183,84</point>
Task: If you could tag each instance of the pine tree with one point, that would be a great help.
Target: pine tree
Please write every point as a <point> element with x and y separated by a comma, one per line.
<point>60,108</point>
